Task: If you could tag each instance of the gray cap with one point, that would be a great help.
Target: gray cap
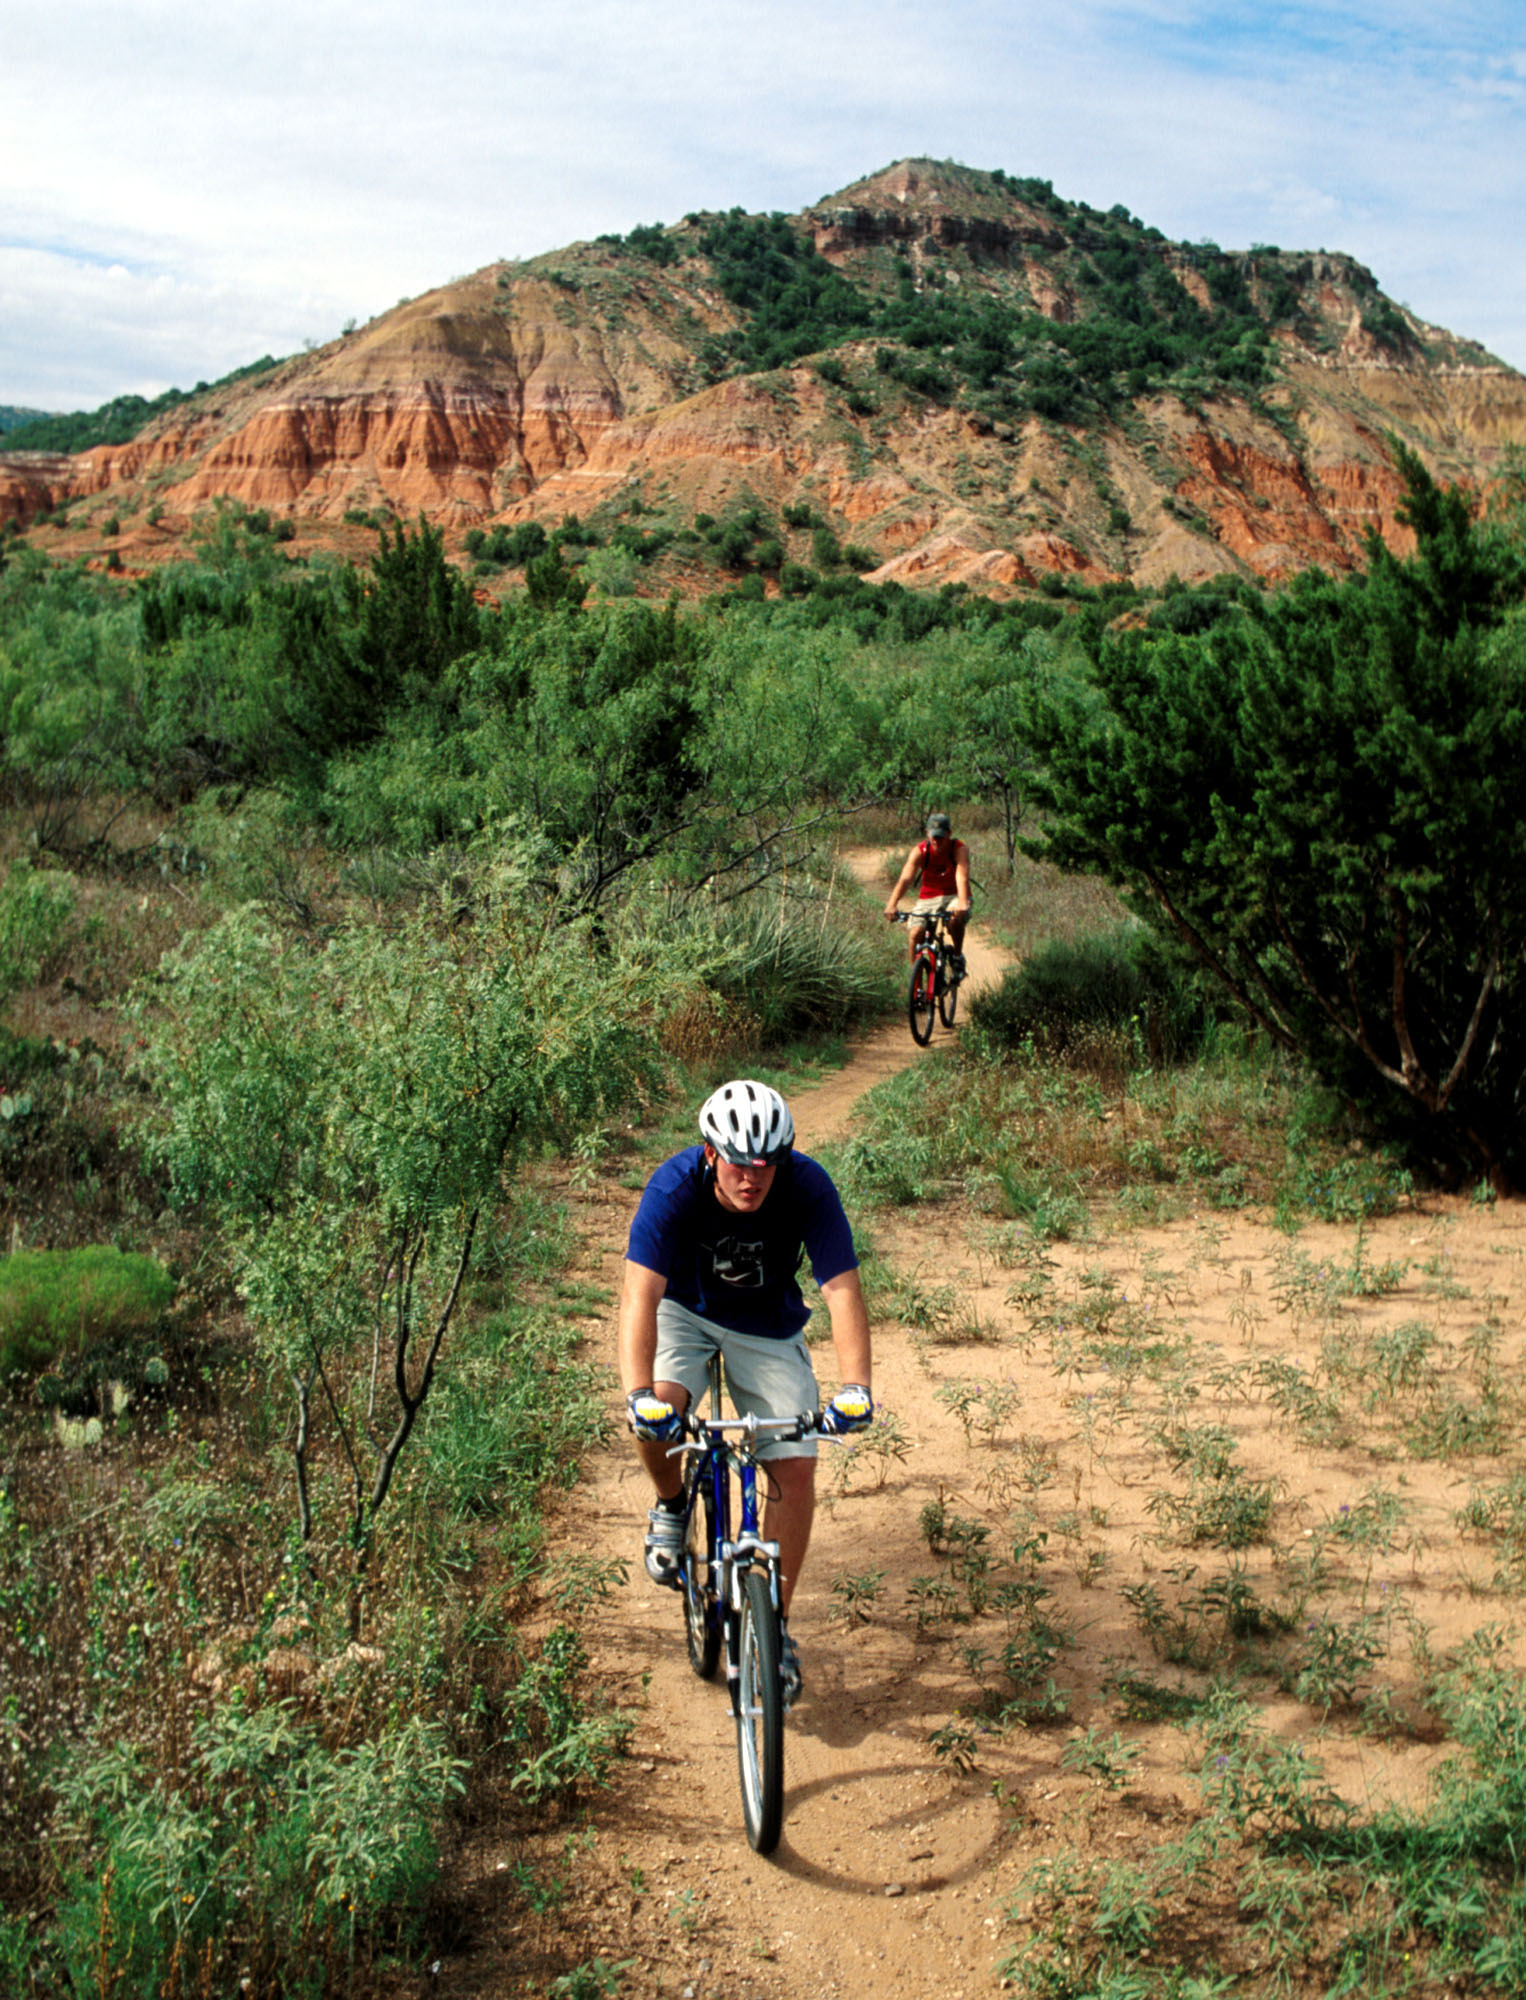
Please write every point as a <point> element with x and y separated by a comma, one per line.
<point>939,823</point>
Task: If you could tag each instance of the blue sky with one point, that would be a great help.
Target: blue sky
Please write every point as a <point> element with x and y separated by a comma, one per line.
<point>184,187</point>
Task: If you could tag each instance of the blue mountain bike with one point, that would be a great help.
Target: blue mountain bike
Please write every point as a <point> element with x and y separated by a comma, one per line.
<point>731,1593</point>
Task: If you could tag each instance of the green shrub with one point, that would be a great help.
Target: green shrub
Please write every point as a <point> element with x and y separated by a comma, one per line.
<point>826,550</point>
<point>59,1303</point>
<point>266,1855</point>
<point>1377,928</point>
<point>612,572</point>
<point>1118,983</point>
<point>35,906</point>
<point>513,546</point>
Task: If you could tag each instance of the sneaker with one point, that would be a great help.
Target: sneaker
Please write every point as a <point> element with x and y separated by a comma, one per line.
<point>956,964</point>
<point>790,1677</point>
<point>664,1547</point>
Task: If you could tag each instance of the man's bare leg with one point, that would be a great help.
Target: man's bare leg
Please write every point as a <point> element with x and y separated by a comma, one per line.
<point>787,1517</point>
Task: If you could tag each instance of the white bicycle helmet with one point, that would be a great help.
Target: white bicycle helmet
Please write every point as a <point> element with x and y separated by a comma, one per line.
<point>748,1123</point>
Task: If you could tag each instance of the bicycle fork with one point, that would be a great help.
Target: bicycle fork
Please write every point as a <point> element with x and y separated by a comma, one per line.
<point>749,1551</point>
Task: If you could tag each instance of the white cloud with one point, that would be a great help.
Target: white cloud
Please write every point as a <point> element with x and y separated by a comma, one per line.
<point>259,174</point>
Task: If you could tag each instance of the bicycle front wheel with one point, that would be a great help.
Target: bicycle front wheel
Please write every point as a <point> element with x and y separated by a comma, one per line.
<point>702,1616</point>
<point>760,1715</point>
<point>920,1003</point>
<point>948,996</point>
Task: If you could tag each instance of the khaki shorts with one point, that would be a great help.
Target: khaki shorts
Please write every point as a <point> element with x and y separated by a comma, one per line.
<point>764,1377</point>
<point>926,906</point>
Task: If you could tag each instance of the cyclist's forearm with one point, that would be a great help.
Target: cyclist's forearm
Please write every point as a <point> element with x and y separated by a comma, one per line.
<point>903,883</point>
<point>850,1327</point>
<point>638,1325</point>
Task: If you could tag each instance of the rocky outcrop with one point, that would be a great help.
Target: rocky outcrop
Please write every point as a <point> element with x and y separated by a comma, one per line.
<point>838,231</point>
<point>33,483</point>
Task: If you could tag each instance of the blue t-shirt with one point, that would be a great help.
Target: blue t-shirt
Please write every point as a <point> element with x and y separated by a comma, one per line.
<point>739,1270</point>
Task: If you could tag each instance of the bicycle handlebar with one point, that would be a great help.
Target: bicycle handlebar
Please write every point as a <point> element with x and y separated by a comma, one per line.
<point>702,1431</point>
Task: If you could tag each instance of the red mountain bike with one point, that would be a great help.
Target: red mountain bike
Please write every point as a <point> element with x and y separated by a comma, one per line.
<point>936,972</point>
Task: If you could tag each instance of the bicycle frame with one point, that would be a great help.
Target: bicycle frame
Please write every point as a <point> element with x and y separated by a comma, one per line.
<point>712,1489</point>
<point>932,986</point>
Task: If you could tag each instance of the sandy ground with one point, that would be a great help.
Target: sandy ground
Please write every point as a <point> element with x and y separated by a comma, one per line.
<point>898,1869</point>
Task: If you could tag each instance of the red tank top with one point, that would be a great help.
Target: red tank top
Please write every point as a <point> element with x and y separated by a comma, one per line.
<point>938,876</point>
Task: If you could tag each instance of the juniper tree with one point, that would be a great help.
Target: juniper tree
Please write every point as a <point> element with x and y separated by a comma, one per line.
<point>1322,796</point>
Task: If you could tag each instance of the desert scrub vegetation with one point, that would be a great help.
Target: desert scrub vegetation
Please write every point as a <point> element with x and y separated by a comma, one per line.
<point>986,342</point>
<point>1123,990</point>
<point>1239,1501</point>
<point>408,892</point>
<point>347,1119</point>
<point>1108,1134</point>
<point>207,1778</point>
<point>272,1526</point>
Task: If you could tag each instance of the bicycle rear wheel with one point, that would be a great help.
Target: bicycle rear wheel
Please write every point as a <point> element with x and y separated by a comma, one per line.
<point>919,1003</point>
<point>948,996</point>
<point>702,1616</point>
<point>760,1716</point>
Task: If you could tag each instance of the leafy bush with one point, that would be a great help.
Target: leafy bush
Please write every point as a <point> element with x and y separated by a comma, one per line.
<point>795,301</point>
<point>552,585</point>
<point>649,240</point>
<point>1123,983</point>
<point>58,1303</point>
<point>512,546</point>
<point>35,907</point>
<point>266,1857</point>
<point>612,572</point>
<point>826,550</point>
<point>349,1120</point>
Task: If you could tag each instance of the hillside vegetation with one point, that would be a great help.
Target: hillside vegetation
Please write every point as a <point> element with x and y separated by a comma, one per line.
<point>962,376</point>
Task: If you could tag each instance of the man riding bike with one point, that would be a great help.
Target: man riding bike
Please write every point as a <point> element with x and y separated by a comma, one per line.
<point>943,863</point>
<point>711,1263</point>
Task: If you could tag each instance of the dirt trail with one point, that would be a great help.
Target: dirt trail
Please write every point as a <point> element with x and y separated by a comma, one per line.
<point>870,1812</point>
<point>897,1868</point>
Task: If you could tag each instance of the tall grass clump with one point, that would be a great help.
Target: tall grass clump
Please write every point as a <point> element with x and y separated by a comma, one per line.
<point>1121,988</point>
<point>267,1860</point>
<point>788,968</point>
